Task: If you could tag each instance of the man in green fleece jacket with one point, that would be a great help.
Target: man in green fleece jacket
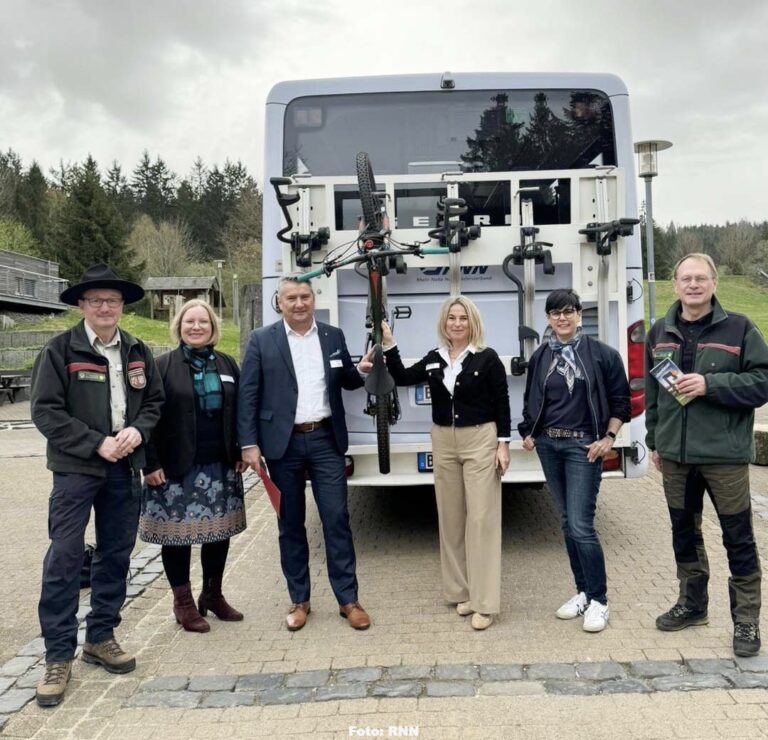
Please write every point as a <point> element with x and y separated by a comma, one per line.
<point>703,441</point>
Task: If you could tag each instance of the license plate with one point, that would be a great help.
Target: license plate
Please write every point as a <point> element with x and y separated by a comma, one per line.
<point>425,462</point>
<point>423,395</point>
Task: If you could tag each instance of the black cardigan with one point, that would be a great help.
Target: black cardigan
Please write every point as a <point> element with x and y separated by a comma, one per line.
<point>480,395</point>
<point>172,446</point>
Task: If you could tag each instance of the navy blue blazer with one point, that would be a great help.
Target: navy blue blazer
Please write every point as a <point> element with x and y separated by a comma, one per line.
<point>269,392</point>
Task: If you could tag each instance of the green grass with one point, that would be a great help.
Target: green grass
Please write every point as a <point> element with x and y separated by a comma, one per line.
<point>151,331</point>
<point>735,293</point>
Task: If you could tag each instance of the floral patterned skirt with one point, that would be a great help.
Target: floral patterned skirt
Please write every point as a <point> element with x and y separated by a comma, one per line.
<point>206,505</point>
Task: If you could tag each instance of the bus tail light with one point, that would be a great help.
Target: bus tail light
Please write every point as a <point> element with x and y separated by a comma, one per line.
<point>636,366</point>
<point>612,461</point>
<point>349,466</point>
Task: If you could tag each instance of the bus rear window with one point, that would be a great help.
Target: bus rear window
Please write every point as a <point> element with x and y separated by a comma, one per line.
<point>469,131</point>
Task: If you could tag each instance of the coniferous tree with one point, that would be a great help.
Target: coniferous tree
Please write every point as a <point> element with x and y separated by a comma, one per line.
<point>92,230</point>
<point>32,202</point>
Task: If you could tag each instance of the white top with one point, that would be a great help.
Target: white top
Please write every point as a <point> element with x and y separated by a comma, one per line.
<point>111,350</point>
<point>453,368</point>
<point>307,356</point>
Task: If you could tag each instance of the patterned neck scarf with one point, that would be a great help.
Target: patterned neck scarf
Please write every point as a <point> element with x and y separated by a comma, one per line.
<point>564,358</point>
<point>205,378</point>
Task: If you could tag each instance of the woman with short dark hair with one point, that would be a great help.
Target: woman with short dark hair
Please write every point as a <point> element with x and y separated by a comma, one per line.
<point>576,400</point>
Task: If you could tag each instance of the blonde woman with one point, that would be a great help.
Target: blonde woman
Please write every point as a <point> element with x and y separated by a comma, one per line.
<point>193,492</point>
<point>470,443</point>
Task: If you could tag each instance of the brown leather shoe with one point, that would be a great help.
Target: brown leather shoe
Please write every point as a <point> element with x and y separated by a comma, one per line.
<point>297,616</point>
<point>356,616</point>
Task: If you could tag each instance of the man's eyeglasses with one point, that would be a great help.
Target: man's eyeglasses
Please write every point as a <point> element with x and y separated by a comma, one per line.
<point>565,313</point>
<point>98,302</point>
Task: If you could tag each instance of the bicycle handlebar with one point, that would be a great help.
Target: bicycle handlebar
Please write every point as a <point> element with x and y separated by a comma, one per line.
<point>329,267</point>
<point>609,226</point>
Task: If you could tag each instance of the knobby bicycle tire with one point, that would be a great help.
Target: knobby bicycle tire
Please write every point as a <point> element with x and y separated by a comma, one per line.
<point>370,202</point>
<point>383,404</point>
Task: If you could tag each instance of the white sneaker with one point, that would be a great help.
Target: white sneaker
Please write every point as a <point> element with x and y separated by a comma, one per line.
<point>574,607</point>
<point>596,617</point>
<point>463,609</point>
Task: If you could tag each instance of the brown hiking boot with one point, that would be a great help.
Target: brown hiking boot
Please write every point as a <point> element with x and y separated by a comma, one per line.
<point>110,655</point>
<point>53,684</point>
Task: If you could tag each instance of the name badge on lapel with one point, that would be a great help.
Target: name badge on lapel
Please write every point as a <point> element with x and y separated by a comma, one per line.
<point>227,379</point>
<point>137,378</point>
<point>90,375</point>
<point>432,366</point>
<point>337,363</point>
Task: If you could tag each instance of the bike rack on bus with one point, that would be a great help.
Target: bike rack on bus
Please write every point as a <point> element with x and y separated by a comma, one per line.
<point>528,253</point>
<point>453,233</point>
<point>304,241</point>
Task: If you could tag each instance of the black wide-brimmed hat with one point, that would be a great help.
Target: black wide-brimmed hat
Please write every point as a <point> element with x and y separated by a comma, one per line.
<point>101,276</point>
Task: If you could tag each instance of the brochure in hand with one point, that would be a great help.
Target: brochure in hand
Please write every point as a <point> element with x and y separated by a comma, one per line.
<point>667,372</point>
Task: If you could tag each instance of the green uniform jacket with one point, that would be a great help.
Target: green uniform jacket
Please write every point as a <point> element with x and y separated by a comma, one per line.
<point>716,428</point>
<point>70,400</point>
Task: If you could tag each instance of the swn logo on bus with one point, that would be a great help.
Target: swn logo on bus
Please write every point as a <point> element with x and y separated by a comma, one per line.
<point>474,270</point>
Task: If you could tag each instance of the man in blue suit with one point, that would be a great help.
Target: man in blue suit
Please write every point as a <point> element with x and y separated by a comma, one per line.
<point>290,411</point>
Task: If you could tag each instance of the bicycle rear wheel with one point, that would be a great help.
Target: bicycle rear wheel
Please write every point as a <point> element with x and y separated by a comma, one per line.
<point>370,202</point>
<point>383,410</point>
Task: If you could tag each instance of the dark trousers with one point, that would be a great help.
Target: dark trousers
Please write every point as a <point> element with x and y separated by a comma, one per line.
<point>177,559</point>
<point>115,501</point>
<point>314,453</point>
<point>574,483</point>
<point>728,488</point>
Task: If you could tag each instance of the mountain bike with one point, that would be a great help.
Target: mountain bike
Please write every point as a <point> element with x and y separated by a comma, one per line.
<point>376,254</point>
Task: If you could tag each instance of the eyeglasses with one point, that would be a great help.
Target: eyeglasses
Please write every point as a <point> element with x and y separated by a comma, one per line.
<point>566,313</point>
<point>695,279</point>
<point>98,302</point>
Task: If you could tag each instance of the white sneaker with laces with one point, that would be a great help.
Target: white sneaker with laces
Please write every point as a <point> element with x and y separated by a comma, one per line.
<point>574,607</point>
<point>596,617</point>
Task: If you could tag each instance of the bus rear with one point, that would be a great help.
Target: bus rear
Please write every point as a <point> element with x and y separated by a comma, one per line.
<point>536,158</point>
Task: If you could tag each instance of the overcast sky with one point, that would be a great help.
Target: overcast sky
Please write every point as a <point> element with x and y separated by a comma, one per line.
<point>183,78</point>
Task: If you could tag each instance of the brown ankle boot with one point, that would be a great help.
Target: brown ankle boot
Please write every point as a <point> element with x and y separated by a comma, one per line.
<point>186,612</point>
<point>212,598</point>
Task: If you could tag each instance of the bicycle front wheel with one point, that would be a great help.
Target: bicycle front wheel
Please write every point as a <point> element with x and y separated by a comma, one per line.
<point>383,410</point>
<point>369,200</point>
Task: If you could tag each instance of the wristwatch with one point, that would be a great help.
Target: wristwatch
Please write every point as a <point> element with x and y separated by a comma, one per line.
<point>612,435</point>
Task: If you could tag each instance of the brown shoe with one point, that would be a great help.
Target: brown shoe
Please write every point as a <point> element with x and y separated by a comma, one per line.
<point>53,684</point>
<point>297,616</point>
<point>110,655</point>
<point>356,616</point>
<point>212,598</point>
<point>186,612</point>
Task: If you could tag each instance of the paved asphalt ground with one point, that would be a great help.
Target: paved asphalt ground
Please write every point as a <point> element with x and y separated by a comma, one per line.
<point>420,666</point>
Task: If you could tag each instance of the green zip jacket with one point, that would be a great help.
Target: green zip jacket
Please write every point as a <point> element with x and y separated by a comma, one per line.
<point>70,400</point>
<point>716,428</point>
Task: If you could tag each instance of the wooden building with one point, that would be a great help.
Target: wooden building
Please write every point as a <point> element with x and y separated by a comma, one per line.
<point>162,292</point>
<point>30,284</point>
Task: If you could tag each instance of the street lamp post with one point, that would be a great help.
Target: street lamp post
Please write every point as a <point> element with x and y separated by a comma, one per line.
<point>235,300</point>
<point>648,169</point>
<point>219,268</point>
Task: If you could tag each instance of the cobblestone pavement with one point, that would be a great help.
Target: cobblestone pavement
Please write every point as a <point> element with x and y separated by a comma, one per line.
<point>420,665</point>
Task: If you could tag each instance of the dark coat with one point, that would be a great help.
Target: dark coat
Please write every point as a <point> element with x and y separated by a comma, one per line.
<point>607,386</point>
<point>70,400</point>
<point>480,395</point>
<point>173,442</point>
<point>269,391</point>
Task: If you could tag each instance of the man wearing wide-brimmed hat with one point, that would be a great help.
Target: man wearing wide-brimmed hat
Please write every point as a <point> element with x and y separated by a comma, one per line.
<point>96,397</point>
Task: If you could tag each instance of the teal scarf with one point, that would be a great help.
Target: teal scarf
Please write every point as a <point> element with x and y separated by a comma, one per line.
<point>205,378</point>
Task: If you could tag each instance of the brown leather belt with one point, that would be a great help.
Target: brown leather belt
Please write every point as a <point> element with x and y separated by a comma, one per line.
<point>555,433</point>
<point>311,426</point>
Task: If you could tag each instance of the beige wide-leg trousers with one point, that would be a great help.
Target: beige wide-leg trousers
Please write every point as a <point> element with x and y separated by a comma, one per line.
<point>468,492</point>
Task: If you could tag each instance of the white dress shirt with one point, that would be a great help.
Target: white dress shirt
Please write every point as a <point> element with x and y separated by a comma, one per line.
<point>111,350</point>
<point>307,356</point>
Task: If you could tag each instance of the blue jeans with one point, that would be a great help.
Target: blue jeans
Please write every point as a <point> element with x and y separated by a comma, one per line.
<point>314,453</point>
<point>115,501</point>
<point>574,483</point>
